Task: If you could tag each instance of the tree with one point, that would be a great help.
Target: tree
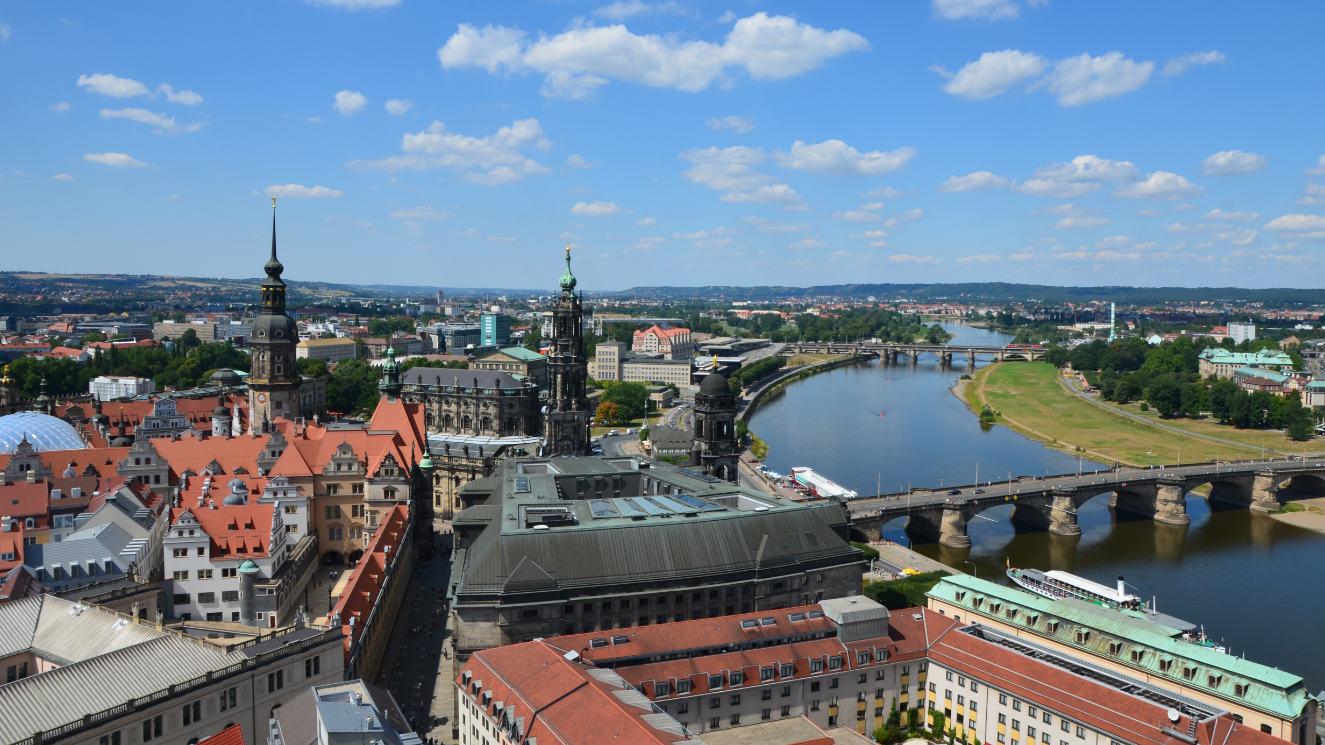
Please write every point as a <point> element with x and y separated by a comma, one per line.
<point>533,338</point>
<point>1299,424</point>
<point>187,340</point>
<point>352,388</point>
<point>1165,395</point>
<point>1222,395</point>
<point>607,413</point>
<point>629,396</point>
<point>312,368</point>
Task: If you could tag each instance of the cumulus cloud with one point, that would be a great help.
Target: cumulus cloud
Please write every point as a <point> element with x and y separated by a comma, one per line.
<point>577,61</point>
<point>1085,78</point>
<point>1081,221</point>
<point>856,215</point>
<point>1160,185</point>
<point>1179,65</point>
<point>909,216</point>
<point>181,97</point>
<point>1232,215</point>
<point>623,9</point>
<point>808,243</point>
<point>913,259</point>
<point>735,172</point>
<point>764,225</point>
<point>1081,175</point>
<point>115,160</point>
<point>837,157</point>
<point>735,124</point>
<point>62,177</point>
<point>978,259</point>
<point>647,221</point>
<point>989,10</point>
<point>1228,162</point>
<point>995,73</point>
<point>160,123</point>
<point>1315,194</point>
<point>577,161</point>
<point>398,106</point>
<point>61,107</point>
<point>595,209</point>
<point>1319,168</point>
<point>494,159</point>
<point>974,181</point>
<point>882,192</point>
<point>105,84</point>
<point>1297,223</point>
<point>349,103</point>
<point>299,191</point>
<point>421,212</point>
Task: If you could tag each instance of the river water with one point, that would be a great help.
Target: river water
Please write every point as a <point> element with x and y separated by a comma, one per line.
<point>1254,582</point>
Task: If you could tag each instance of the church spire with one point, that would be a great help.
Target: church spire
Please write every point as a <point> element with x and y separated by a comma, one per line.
<point>274,266</point>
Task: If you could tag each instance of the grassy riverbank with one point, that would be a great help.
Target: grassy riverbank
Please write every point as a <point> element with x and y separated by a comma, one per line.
<point>1029,399</point>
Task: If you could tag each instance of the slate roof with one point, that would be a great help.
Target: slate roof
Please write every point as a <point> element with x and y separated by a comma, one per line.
<point>457,378</point>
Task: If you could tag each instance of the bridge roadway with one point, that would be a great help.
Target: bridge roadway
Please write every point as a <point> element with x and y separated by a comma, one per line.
<point>890,352</point>
<point>1051,503</point>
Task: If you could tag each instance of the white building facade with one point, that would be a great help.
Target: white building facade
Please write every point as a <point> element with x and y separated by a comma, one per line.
<point>111,387</point>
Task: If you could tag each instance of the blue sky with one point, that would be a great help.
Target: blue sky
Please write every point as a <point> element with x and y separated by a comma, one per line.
<point>670,142</point>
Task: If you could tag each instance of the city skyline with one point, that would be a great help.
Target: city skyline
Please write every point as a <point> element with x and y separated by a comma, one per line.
<point>671,143</point>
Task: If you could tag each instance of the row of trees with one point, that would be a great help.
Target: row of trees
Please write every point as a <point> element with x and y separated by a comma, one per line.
<point>187,365</point>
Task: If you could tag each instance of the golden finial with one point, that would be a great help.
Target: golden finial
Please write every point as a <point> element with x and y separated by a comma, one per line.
<point>4,376</point>
<point>568,249</point>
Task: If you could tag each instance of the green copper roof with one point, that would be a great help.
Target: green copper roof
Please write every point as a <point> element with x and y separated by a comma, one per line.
<point>522,354</point>
<point>1267,688</point>
<point>567,279</point>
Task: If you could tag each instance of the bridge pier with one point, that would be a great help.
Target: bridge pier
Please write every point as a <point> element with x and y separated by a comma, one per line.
<point>952,531</point>
<point>1265,492</point>
<point>1171,502</point>
<point>1063,514</point>
<point>970,361</point>
<point>945,359</point>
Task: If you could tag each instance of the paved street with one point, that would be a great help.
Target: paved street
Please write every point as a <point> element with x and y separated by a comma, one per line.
<point>410,669</point>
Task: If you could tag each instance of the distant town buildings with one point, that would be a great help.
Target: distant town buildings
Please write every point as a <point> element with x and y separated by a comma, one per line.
<point>111,387</point>
<point>612,362</point>
<point>335,349</point>
<point>673,343</point>
<point>494,330</point>
<point>1221,363</point>
<point>1240,332</point>
<point>517,361</point>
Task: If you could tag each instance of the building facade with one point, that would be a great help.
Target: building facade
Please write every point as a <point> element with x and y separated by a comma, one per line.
<point>518,361</point>
<point>673,343</point>
<point>111,387</point>
<point>1221,363</point>
<point>1240,332</point>
<point>494,330</point>
<point>335,349</point>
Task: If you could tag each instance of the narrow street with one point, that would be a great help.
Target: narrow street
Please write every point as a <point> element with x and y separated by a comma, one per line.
<point>410,668</point>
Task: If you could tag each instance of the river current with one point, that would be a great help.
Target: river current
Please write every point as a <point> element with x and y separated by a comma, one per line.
<point>1254,582</point>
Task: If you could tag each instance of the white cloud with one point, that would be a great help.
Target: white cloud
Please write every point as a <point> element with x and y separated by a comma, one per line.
<point>646,221</point>
<point>978,259</point>
<point>5,32</point>
<point>1042,187</point>
<point>575,160</point>
<point>768,226</point>
<point>914,259</point>
<point>181,97</point>
<point>1085,79</point>
<point>1228,162</point>
<point>735,124</point>
<point>1315,194</point>
<point>1081,221</point>
<point>115,160</point>
<point>421,212</point>
<point>734,171</point>
<point>1179,65</point>
<point>349,103</point>
<point>1296,223</point>
<point>1231,215</point>
<point>808,243</point>
<point>1160,185</point>
<point>647,244</point>
<point>908,216</point>
<point>763,195</point>
<point>1319,168</point>
<point>623,9</point>
<point>1236,236</point>
<point>495,159</point>
<point>355,4</point>
<point>1021,256</point>
<point>1082,175</point>
<point>595,209</point>
<point>61,107</point>
<point>835,156</point>
<point>883,192</point>
<point>299,191</point>
<point>106,84</point>
<point>62,177</point>
<point>856,216</point>
<point>398,106</point>
<point>1149,212</point>
<point>974,181</point>
<point>995,73</point>
<point>160,123</point>
<point>583,58</point>
<point>989,10</point>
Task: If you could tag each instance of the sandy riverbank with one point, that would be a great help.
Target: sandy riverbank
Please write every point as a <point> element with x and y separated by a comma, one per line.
<point>1311,518</point>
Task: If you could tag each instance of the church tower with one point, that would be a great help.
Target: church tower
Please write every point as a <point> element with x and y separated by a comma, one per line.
<point>566,423</point>
<point>715,449</point>
<point>273,382</point>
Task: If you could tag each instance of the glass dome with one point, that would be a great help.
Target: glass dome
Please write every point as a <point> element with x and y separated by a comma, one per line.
<point>43,431</point>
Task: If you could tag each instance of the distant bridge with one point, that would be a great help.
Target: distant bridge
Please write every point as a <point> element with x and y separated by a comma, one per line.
<point>945,353</point>
<point>1051,503</point>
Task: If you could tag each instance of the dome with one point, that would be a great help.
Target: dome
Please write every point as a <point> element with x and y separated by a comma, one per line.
<point>274,327</point>
<point>248,566</point>
<point>715,384</point>
<point>226,376</point>
<point>43,431</point>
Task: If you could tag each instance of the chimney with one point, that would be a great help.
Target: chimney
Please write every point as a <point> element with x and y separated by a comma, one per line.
<point>1122,588</point>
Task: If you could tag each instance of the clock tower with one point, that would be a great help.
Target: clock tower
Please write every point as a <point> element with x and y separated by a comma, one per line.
<point>274,380</point>
<point>566,422</point>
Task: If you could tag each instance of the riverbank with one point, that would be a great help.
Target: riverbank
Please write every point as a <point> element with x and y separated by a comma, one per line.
<point>788,376</point>
<point>1310,517</point>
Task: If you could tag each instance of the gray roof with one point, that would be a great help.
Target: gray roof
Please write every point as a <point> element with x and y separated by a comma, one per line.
<point>95,545</point>
<point>666,438</point>
<point>461,378</point>
<point>105,660</point>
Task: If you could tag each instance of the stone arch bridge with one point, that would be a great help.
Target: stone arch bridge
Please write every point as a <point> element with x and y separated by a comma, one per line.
<point>1051,503</point>
<point>944,353</point>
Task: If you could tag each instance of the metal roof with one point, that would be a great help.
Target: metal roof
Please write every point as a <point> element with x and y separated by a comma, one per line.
<point>1267,688</point>
<point>43,431</point>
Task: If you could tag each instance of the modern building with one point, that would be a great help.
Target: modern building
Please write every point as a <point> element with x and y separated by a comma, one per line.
<point>494,330</point>
<point>1221,363</point>
<point>1240,332</point>
<point>612,362</point>
<point>335,349</point>
<point>842,666</point>
<point>519,361</point>
<point>673,343</point>
<point>42,431</point>
<point>205,331</point>
<point>80,674</point>
<point>111,387</point>
<point>561,545</point>
<point>340,714</point>
<point>1263,698</point>
<point>567,418</point>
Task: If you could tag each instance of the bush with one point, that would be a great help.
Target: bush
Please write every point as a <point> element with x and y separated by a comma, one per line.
<point>907,592</point>
<point>864,548</point>
<point>1145,406</point>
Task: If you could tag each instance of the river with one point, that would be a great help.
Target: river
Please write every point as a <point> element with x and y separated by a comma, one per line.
<point>1254,582</point>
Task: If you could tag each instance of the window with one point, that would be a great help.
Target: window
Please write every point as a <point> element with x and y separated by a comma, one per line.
<point>230,596</point>
<point>1266,729</point>
<point>180,574</point>
<point>228,572</point>
<point>331,511</point>
<point>814,705</point>
<point>785,710</point>
<point>1081,732</point>
<point>275,681</point>
<point>683,686</point>
<point>1030,732</point>
<point>1016,705</point>
<point>814,686</point>
<point>715,722</point>
<point>715,681</point>
<point>1001,738</point>
<point>151,728</point>
<point>1239,689</point>
<point>816,666</point>
<point>975,687</point>
<point>192,712</point>
<point>207,597</point>
<point>226,698</point>
<point>948,676</point>
<point>736,678</point>
<point>312,666</point>
<point>1002,718</point>
<point>736,700</point>
<point>766,673</point>
<point>834,683</point>
<point>110,739</point>
<point>715,702</point>
<point>1047,719</point>
<point>179,553</point>
<point>1065,725</point>
<point>766,694</point>
<point>683,707</point>
<point>356,511</point>
<point>204,574</point>
<point>662,689</point>
<point>975,706</point>
<point>786,691</point>
<point>788,670</point>
<point>1044,738</point>
<point>1032,711</point>
<point>1003,699</point>
<point>735,719</point>
<point>181,598</point>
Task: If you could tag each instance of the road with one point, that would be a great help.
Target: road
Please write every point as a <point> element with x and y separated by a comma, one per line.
<point>1028,485</point>
<point>414,658</point>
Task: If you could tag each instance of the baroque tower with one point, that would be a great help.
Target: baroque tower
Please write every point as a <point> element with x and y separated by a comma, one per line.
<point>566,424</point>
<point>273,383</point>
<point>715,449</point>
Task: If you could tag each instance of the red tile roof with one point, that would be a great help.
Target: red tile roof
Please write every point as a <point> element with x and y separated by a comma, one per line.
<point>232,735</point>
<point>365,584</point>
<point>238,531</point>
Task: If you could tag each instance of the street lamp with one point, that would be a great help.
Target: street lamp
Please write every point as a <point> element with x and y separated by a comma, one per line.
<point>974,572</point>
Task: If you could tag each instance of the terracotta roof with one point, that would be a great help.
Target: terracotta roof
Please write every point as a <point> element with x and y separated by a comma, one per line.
<point>232,735</point>
<point>237,531</point>
<point>365,584</point>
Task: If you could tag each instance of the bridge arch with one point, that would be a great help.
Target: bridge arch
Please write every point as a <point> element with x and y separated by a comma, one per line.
<point>1310,483</point>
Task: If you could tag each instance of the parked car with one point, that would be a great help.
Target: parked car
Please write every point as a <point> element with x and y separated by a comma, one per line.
<point>954,491</point>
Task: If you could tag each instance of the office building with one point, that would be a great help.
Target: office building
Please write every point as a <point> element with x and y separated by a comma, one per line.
<point>494,330</point>
<point>111,387</point>
<point>1240,332</point>
<point>673,343</point>
<point>335,349</point>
